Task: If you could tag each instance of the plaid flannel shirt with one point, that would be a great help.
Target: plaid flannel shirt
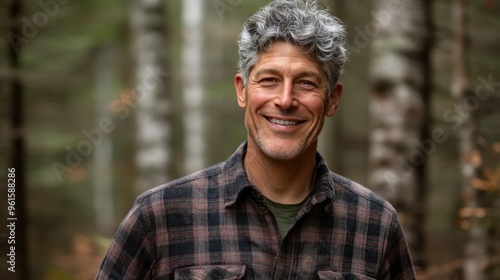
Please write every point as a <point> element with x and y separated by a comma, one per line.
<point>214,224</point>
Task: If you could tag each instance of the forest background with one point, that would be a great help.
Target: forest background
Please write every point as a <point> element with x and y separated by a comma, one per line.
<point>84,139</point>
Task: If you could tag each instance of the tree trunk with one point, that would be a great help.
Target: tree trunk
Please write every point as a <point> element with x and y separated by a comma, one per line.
<point>476,248</point>
<point>399,107</point>
<point>18,216</point>
<point>332,140</point>
<point>192,65</point>
<point>103,155</point>
<point>149,50</point>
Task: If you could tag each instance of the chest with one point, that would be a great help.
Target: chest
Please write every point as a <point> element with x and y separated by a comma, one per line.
<point>245,240</point>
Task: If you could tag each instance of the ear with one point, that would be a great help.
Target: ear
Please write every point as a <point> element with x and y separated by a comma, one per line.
<point>334,99</point>
<point>239,85</point>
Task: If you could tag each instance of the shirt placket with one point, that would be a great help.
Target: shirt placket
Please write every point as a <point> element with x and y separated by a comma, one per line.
<point>269,225</point>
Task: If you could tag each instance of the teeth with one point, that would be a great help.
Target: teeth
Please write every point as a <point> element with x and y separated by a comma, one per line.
<point>283,122</point>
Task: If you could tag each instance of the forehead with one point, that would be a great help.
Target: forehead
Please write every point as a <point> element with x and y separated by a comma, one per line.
<point>281,54</point>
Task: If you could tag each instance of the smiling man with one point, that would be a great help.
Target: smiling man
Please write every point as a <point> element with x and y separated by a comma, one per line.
<point>286,100</point>
<point>273,209</point>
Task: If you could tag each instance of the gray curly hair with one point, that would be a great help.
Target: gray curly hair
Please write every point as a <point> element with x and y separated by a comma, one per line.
<point>298,22</point>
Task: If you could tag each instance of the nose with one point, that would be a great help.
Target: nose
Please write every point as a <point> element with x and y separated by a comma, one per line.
<point>285,98</point>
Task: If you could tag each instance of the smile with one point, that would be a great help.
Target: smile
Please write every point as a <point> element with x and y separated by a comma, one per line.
<point>283,122</point>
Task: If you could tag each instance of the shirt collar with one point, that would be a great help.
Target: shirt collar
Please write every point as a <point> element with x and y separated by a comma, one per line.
<point>237,179</point>
<point>235,175</point>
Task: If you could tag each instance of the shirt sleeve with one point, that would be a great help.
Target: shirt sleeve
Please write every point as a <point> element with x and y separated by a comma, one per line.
<point>131,254</point>
<point>397,263</point>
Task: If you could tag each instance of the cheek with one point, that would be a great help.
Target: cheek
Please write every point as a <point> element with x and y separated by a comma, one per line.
<point>257,99</point>
<point>317,105</point>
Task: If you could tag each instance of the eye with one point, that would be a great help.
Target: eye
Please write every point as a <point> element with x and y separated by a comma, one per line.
<point>268,81</point>
<point>307,84</point>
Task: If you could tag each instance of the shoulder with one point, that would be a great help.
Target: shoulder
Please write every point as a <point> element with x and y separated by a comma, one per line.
<point>207,185</point>
<point>350,194</point>
<point>185,187</point>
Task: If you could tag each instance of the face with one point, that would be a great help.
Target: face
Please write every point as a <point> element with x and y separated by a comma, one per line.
<point>285,101</point>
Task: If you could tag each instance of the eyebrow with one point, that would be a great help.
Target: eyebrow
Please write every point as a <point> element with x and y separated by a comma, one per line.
<point>310,74</point>
<point>267,71</point>
<point>303,74</point>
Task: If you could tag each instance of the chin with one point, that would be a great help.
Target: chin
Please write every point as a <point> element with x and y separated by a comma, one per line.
<point>282,152</point>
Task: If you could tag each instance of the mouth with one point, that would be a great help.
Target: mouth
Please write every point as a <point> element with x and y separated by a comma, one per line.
<point>283,122</point>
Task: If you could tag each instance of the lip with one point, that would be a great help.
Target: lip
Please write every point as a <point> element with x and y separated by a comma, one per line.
<point>284,122</point>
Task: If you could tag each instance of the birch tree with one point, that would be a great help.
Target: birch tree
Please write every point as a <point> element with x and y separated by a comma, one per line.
<point>475,255</point>
<point>149,50</point>
<point>400,82</point>
<point>192,65</point>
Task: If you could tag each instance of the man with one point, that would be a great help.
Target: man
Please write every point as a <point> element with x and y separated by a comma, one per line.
<point>273,210</point>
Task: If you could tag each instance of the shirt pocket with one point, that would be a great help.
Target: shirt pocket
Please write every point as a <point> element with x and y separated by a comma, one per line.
<point>208,272</point>
<point>330,275</point>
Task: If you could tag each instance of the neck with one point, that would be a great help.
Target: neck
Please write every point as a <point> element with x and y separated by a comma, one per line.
<point>282,181</point>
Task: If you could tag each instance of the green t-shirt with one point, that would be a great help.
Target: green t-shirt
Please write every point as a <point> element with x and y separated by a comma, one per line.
<point>284,214</point>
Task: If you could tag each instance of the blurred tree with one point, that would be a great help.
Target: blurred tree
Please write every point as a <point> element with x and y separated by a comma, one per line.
<point>339,129</point>
<point>475,255</point>
<point>192,68</point>
<point>17,163</point>
<point>104,203</point>
<point>333,130</point>
<point>400,78</point>
<point>149,41</point>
